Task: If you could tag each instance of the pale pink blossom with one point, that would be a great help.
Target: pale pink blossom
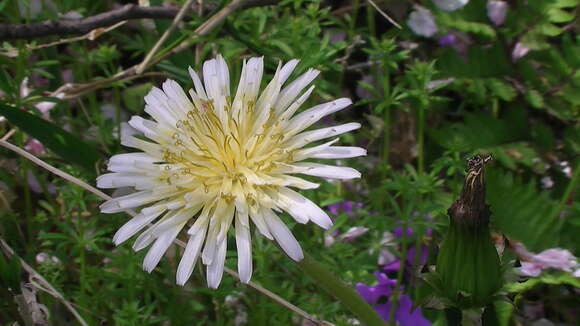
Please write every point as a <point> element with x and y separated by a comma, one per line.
<point>422,22</point>
<point>555,258</point>
<point>497,12</point>
<point>519,51</point>
<point>35,147</point>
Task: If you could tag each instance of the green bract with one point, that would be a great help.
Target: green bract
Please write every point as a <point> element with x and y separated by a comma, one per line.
<point>468,264</point>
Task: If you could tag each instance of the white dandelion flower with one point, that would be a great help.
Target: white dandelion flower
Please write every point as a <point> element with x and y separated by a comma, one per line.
<point>211,161</point>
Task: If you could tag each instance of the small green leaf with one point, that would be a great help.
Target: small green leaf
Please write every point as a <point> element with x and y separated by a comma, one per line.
<point>535,99</point>
<point>60,141</point>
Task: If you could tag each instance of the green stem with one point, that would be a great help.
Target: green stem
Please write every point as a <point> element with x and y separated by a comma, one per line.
<point>567,192</point>
<point>338,289</point>
<point>403,263</point>
<point>421,139</point>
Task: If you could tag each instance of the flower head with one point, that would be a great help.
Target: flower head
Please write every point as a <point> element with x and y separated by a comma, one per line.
<point>213,160</point>
<point>555,258</point>
<point>497,11</point>
<point>422,22</point>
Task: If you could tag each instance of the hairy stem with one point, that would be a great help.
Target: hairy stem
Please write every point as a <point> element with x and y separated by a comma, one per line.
<point>338,289</point>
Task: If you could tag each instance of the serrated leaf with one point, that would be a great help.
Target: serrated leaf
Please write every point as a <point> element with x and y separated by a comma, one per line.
<point>550,279</point>
<point>566,3</point>
<point>535,99</point>
<point>60,141</point>
<point>522,212</point>
<point>556,15</point>
<point>502,89</point>
<point>550,29</point>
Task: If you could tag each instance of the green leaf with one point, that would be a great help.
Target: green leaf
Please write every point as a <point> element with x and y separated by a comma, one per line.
<point>560,278</point>
<point>522,212</point>
<point>535,99</point>
<point>556,15</point>
<point>501,89</point>
<point>60,141</point>
<point>498,313</point>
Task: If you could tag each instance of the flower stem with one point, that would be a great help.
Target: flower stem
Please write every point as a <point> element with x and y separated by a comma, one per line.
<point>421,139</point>
<point>338,289</point>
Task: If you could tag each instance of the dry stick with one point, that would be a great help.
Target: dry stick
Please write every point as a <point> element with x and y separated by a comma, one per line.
<point>82,26</point>
<point>51,290</point>
<point>91,36</point>
<point>141,67</point>
<point>180,243</point>
<point>391,20</point>
<point>72,90</point>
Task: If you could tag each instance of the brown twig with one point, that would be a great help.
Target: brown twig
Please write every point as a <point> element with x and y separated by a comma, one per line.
<point>83,26</point>
<point>86,25</point>
<point>74,90</point>
<point>141,67</point>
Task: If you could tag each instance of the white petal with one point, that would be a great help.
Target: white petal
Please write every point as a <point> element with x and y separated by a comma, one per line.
<point>249,86</point>
<point>181,216</point>
<point>218,225</point>
<point>123,203</point>
<point>327,171</point>
<point>302,209</point>
<point>216,268</point>
<point>336,152</point>
<point>282,235</point>
<point>137,223</point>
<point>307,118</point>
<point>199,90</point>
<point>157,107</point>
<point>118,180</point>
<point>287,70</point>
<point>296,105</point>
<point>310,151</point>
<point>209,250</point>
<point>244,247</point>
<point>318,134</point>
<point>189,257</point>
<point>258,219</point>
<point>160,247</point>
<point>290,92</point>
<point>146,238</point>
<point>178,97</point>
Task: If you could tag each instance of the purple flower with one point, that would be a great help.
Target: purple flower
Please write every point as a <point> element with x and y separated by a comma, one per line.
<point>395,264</point>
<point>405,315</point>
<point>448,40</point>
<point>346,206</point>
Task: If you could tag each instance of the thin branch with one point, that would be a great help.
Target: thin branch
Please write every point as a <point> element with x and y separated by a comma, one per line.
<point>179,242</point>
<point>51,290</point>
<point>86,25</point>
<point>75,90</point>
<point>387,17</point>
<point>164,37</point>
<point>83,26</point>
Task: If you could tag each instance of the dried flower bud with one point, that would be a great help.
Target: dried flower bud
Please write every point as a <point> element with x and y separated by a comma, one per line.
<point>468,264</point>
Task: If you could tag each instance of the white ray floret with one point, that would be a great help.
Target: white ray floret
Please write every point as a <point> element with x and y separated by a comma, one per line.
<point>209,162</point>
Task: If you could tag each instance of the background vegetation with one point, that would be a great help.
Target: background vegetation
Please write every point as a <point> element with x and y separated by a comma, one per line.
<point>426,103</point>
